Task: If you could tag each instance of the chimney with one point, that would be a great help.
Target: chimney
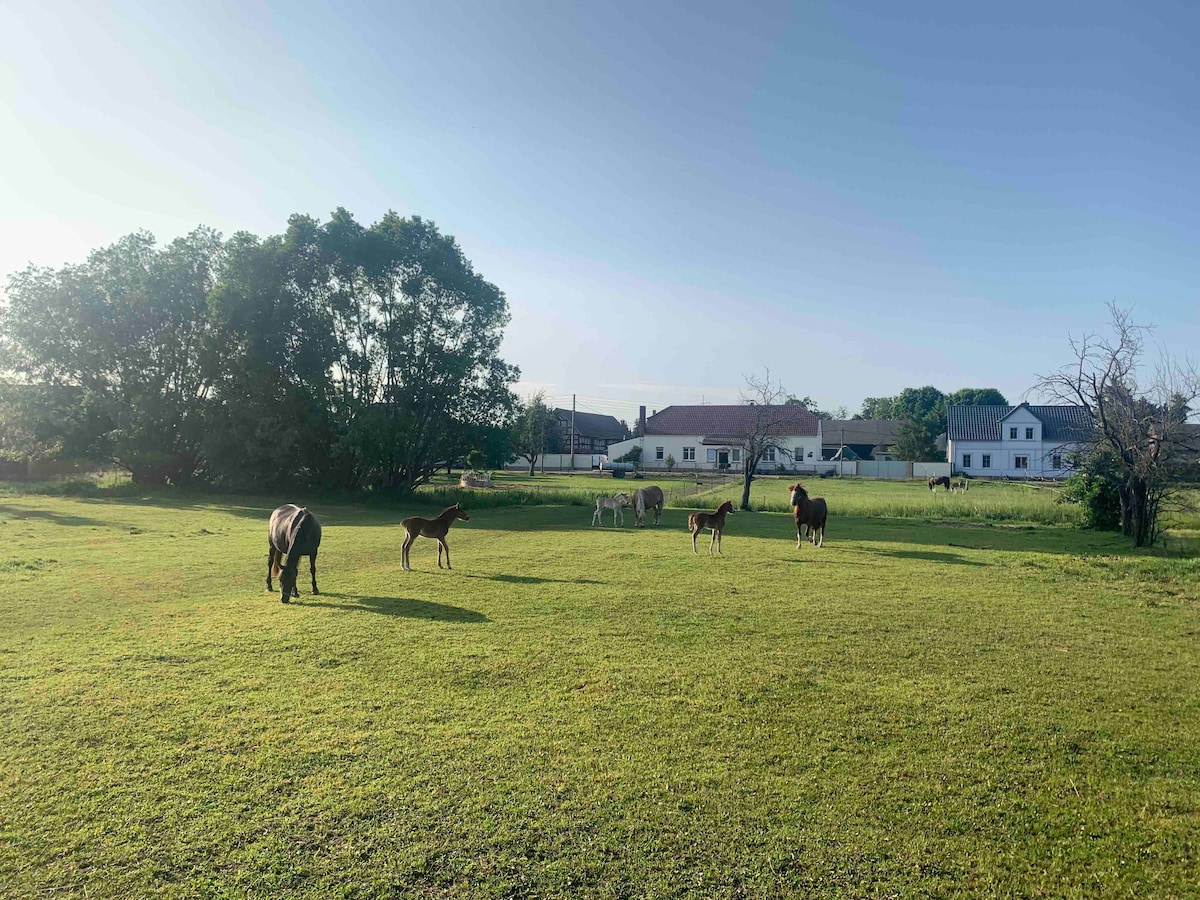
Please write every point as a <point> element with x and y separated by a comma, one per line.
<point>642,421</point>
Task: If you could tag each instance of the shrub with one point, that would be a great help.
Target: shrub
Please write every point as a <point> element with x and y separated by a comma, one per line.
<point>1096,488</point>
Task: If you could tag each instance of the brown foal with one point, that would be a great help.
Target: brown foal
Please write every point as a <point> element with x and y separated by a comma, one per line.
<point>436,528</point>
<point>698,521</point>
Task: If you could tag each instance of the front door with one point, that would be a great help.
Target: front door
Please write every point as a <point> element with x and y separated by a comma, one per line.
<point>722,459</point>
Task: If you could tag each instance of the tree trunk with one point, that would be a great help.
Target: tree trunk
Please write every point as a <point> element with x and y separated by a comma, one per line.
<point>1140,515</point>
<point>532,460</point>
<point>1126,508</point>
<point>747,477</point>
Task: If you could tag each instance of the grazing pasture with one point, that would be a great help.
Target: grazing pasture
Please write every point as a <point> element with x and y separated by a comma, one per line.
<point>919,709</point>
<point>986,501</point>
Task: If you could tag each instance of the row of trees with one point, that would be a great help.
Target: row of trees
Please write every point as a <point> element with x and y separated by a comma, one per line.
<point>923,412</point>
<point>332,354</point>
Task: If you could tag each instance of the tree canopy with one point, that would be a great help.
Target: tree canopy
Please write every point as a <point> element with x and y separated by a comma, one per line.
<point>334,353</point>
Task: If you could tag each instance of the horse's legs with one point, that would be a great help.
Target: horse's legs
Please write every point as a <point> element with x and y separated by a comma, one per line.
<point>695,531</point>
<point>408,541</point>
<point>596,515</point>
<point>312,569</point>
<point>799,535</point>
<point>822,544</point>
<point>618,514</point>
<point>271,554</point>
<point>442,544</point>
<point>713,541</point>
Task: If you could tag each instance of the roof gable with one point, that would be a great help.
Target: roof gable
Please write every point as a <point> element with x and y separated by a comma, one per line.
<point>983,423</point>
<point>592,424</point>
<point>742,419</point>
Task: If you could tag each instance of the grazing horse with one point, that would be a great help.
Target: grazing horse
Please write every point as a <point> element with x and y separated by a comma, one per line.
<point>810,514</point>
<point>614,503</point>
<point>943,480</point>
<point>647,498</point>
<point>293,532</point>
<point>961,485</point>
<point>436,528</point>
<point>698,521</point>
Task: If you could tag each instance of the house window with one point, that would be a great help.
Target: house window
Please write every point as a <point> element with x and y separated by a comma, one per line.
<point>768,455</point>
<point>737,456</point>
<point>987,461</point>
<point>1029,434</point>
<point>1020,462</point>
<point>966,460</point>
<point>658,452</point>
<point>712,455</point>
<point>689,454</point>
<point>1056,461</point>
<point>1012,434</point>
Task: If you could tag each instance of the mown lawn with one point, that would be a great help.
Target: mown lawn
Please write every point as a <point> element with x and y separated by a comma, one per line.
<point>918,709</point>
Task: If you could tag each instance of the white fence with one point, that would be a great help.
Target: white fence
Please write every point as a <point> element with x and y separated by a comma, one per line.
<point>860,468</point>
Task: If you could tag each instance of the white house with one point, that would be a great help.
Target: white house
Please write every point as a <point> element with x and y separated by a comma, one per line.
<point>713,437</point>
<point>1015,441</point>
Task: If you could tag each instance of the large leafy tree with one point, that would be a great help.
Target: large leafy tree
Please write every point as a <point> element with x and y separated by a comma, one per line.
<point>534,430</point>
<point>124,332</point>
<point>333,354</point>
<point>976,397</point>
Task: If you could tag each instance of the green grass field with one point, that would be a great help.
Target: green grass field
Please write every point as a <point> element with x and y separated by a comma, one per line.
<point>922,708</point>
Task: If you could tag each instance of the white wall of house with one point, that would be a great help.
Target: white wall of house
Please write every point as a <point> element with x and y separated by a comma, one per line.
<point>1019,458</point>
<point>692,455</point>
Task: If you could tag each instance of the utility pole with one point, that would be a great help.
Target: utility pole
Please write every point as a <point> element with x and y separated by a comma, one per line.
<point>572,432</point>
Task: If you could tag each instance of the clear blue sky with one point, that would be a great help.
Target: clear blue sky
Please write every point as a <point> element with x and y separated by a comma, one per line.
<point>671,195</point>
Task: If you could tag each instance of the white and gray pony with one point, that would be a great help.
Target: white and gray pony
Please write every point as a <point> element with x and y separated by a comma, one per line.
<point>614,503</point>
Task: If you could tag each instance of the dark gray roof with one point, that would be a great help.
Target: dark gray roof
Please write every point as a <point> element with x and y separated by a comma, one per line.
<point>875,432</point>
<point>982,423</point>
<point>718,421</point>
<point>592,424</point>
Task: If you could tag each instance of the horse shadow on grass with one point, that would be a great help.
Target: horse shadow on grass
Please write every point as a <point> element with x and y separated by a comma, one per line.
<point>401,607</point>
<point>534,579</point>
<point>930,555</point>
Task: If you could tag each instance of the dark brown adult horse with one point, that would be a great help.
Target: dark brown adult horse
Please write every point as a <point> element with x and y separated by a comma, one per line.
<point>293,532</point>
<point>810,513</point>
<point>698,521</point>
<point>435,528</point>
<point>943,480</point>
<point>647,498</point>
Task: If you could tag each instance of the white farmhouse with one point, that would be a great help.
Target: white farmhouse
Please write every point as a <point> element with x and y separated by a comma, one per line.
<point>1015,441</point>
<point>713,437</point>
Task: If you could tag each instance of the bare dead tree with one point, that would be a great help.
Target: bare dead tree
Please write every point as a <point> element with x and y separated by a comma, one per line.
<point>765,396</point>
<point>1141,420</point>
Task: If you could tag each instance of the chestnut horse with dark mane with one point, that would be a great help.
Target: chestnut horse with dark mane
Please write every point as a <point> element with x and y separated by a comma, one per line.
<point>698,521</point>
<point>943,480</point>
<point>810,512</point>
<point>436,528</point>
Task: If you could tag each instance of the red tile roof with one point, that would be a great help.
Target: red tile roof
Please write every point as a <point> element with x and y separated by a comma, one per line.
<point>731,421</point>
